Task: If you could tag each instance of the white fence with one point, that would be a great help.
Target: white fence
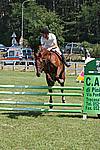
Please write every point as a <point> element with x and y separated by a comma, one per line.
<point>75,68</point>
<point>17,65</point>
<point>26,65</point>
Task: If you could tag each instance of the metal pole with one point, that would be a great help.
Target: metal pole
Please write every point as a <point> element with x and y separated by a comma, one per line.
<point>22,20</point>
<point>22,32</point>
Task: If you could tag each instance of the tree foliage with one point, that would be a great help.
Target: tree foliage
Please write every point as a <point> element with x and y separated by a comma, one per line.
<point>38,18</point>
<point>71,20</point>
<point>4,21</point>
<point>91,22</point>
<point>34,18</point>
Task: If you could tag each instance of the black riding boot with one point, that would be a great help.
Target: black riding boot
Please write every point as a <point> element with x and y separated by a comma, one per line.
<point>64,61</point>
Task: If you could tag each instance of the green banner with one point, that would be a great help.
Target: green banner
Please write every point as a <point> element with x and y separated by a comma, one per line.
<point>92,87</point>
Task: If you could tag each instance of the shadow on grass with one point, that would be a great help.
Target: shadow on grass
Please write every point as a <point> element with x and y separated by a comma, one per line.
<point>15,115</point>
<point>78,116</point>
<point>72,116</point>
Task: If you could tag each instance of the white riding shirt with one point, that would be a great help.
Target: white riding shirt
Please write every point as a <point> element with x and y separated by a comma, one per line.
<point>48,43</point>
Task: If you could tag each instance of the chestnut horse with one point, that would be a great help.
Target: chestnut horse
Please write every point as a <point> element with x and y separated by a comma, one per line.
<point>52,65</point>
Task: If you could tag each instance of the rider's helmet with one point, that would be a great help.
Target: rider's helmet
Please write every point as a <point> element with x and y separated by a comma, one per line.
<point>45,30</point>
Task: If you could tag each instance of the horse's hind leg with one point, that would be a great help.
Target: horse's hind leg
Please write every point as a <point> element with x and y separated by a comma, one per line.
<point>63,97</point>
<point>50,83</point>
<point>50,99</point>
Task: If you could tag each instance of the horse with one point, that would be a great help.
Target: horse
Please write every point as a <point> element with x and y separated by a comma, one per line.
<point>51,63</point>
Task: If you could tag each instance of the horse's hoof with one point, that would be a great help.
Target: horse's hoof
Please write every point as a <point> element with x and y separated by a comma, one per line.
<point>61,80</point>
<point>63,101</point>
<point>50,107</point>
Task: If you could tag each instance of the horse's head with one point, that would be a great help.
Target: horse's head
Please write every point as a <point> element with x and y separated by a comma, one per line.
<point>38,64</point>
<point>40,58</point>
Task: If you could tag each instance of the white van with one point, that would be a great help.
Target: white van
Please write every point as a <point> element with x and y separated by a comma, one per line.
<point>16,53</point>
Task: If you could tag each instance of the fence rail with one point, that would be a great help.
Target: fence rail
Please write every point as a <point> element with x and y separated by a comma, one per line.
<point>17,64</point>
<point>75,67</point>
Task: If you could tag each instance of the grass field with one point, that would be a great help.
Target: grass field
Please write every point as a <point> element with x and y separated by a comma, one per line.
<point>47,131</point>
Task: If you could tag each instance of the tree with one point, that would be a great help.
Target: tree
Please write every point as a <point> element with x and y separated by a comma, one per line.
<point>90,22</point>
<point>35,17</point>
<point>68,12</point>
<point>4,21</point>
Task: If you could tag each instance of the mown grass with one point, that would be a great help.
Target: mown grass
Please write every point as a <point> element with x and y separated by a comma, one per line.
<point>50,131</point>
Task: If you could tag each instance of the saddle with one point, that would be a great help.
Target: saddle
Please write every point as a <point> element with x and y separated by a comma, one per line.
<point>60,56</point>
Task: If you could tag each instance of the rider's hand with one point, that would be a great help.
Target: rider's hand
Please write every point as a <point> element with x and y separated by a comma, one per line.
<point>49,49</point>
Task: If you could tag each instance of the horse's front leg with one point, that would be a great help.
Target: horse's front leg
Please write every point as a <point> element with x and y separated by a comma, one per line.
<point>49,79</point>
<point>59,70</point>
<point>63,97</point>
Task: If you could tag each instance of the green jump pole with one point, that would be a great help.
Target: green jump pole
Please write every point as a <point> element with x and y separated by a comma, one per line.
<point>40,110</point>
<point>40,93</point>
<point>40,87</point>
<point>41,104</point>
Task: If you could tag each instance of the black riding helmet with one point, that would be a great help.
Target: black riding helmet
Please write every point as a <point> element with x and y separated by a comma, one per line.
<point>45,30</point>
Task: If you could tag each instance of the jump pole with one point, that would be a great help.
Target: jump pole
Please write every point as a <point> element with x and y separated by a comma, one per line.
<point>41,110</point>
<point>41,87</point>
<point>65,110</point>
<point>41,104</point>
<point>40,93</point>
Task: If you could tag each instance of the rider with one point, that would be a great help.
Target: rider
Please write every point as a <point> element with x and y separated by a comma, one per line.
<point>48,40</point>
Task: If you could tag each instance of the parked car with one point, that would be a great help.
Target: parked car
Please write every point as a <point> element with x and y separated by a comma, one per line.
<point>3,48</point>
<point>16,53</point>
<point>75,48</point>
<point>27,53</point>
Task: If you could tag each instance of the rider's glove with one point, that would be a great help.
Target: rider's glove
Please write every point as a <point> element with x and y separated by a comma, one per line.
<point>49,49</point>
